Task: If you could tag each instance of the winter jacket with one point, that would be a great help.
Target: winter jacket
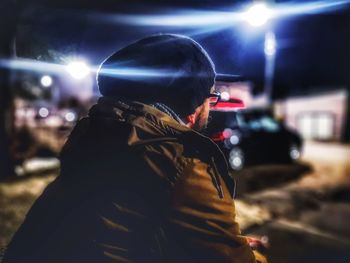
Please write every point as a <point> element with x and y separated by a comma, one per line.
<point>135,186</point>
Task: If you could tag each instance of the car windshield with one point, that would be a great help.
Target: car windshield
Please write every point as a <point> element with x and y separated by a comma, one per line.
<point>258,122</point>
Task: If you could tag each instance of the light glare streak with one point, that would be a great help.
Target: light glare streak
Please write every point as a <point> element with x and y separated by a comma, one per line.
<point>31,65</point>
<point>316,7</point>
<point>136,72</point>
<point>190,19</point>
<point>181,19</point>
<point>118,71</point>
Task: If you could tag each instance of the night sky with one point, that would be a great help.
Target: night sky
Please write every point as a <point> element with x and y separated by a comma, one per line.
<point>313,50</point>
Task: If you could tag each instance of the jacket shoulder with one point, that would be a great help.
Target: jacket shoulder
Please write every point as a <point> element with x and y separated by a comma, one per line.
<point>165,158</point>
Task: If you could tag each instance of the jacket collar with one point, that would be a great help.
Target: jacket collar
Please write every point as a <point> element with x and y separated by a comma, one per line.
<point>150,125</point>
<point>132,111</point>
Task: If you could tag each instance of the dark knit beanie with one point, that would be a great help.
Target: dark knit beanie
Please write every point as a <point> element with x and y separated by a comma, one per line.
<point>170,69</point>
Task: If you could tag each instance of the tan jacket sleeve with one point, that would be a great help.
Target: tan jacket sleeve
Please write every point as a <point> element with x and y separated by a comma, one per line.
<point>201,222</point>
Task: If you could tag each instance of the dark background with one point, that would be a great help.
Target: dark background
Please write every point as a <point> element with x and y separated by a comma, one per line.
<point>312,50</point>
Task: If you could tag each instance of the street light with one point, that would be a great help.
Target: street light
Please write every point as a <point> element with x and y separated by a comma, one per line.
<point>257,15</point>
<point>270,44</point>
<point>270,54</point>
<point>43,112</point>
<point>46,81</point>
<point>78,69</point>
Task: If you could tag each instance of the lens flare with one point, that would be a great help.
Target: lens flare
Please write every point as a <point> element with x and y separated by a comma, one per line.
<point>257,15</point>
<point>43,112</point>
<point>78,69</point>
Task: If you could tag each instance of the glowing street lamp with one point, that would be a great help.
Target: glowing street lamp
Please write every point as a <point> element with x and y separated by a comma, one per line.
<point>257,15</point>
<point>43,112</point>
<point>46,81</point>
<point>78,69</point>
<point>70,116</point>
<point>270,44</point>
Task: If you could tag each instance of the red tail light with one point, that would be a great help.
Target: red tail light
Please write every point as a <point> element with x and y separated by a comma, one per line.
<point>221,136</point>
<point>218,137</point>
<point>232,103</point>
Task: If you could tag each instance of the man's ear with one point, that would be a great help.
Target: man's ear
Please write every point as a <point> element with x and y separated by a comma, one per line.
<point>191,119</point>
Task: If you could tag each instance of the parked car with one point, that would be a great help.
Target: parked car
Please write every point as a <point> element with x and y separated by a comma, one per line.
<point>251,137</point>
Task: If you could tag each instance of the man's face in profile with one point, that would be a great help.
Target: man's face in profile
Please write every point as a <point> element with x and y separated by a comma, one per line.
<point>202,111</point>
<point>202,118</point>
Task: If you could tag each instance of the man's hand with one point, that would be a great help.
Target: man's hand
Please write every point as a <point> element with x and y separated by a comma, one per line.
<point>259,247</point>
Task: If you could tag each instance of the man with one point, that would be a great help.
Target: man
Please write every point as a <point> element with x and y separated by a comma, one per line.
<point>138,183</point>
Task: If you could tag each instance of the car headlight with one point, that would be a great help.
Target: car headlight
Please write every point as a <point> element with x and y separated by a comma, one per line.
<point>294,152</point>
<point>236,158</point>
<point>234,139</point>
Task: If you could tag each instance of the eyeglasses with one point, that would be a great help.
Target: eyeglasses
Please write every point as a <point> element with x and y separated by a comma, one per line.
<point>214,98</point>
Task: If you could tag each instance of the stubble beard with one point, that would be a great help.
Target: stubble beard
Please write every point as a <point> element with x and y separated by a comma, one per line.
<point>201,123</point>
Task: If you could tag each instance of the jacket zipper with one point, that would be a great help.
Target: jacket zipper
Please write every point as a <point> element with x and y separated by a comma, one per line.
<point>216,180</point>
